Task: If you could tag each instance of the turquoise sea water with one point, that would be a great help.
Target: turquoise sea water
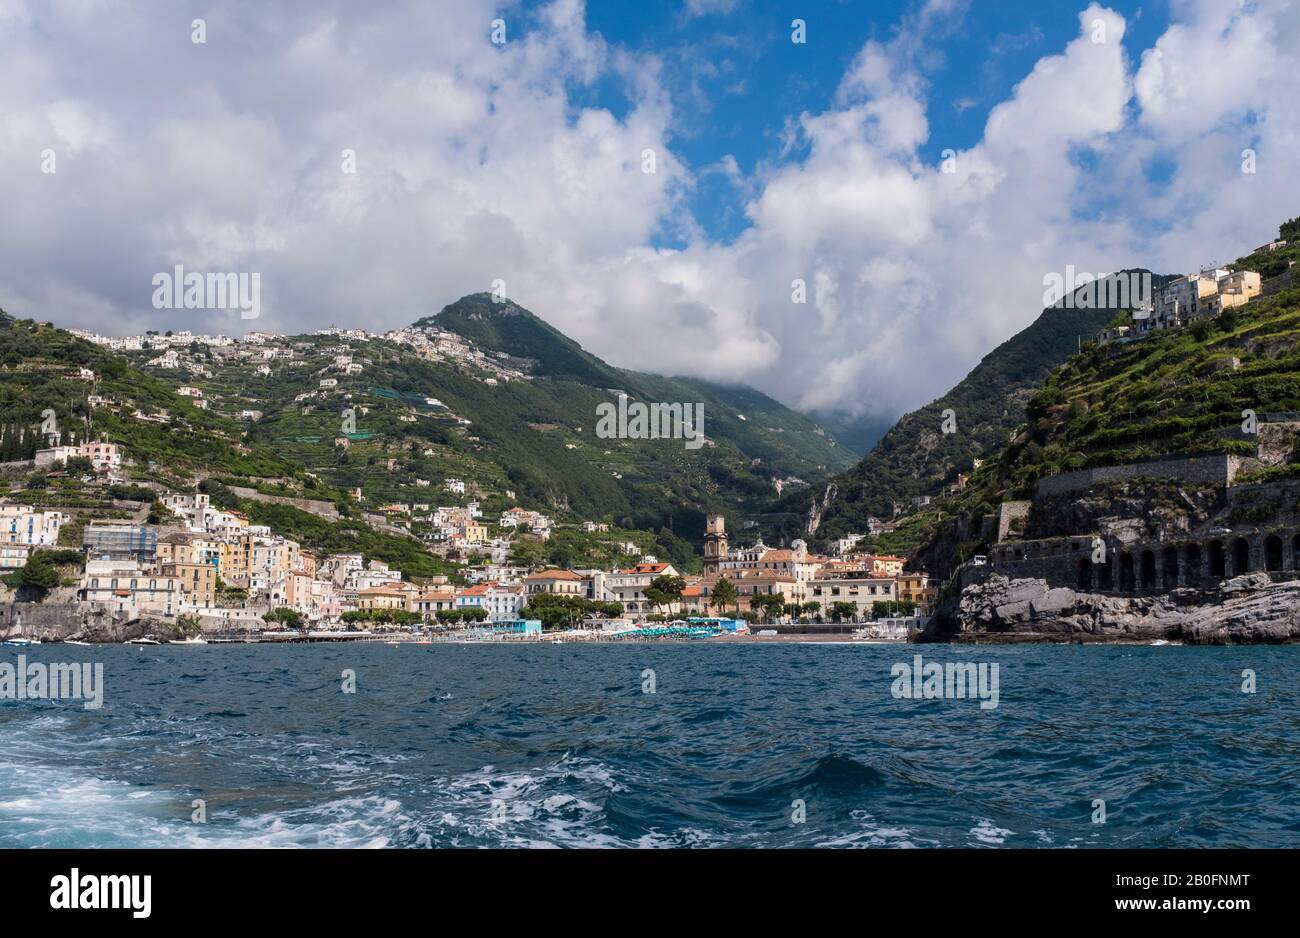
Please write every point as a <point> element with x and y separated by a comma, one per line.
<point>740,745</point>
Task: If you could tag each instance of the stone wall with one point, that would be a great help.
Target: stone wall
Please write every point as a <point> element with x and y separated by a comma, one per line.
<point>1281,282</point>
<point>1009,513</point>
<point>1217,469</point>
<point>53,620</point>
<point>321,509</point>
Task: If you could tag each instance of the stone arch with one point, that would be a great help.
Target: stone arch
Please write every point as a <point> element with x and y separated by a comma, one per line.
<point>1217,560</point>
<point>1105,581</point>
<point>1191,563</point>
<point>1240,556</point>
<point>1272,553</point>
<point>1127,581</point>
<point>1147,569</point>
<point>1083,581</point>
<point>1169,566</point>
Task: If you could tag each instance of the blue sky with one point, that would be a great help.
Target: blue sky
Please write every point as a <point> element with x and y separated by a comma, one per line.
<point>736,77</point>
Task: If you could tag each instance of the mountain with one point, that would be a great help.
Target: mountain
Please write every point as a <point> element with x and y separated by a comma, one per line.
<point>859,434</point>
<point>755,424</point>
<point>44,369</point>
<point>92,393</point>
<point>491,396</point>
<point>508,327</point>
<point>916,458</point>
<point>1153,491</point>
<point>1186,392</point>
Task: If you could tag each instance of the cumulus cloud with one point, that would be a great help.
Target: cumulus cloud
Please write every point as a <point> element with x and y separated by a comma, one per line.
<point>478,162</point>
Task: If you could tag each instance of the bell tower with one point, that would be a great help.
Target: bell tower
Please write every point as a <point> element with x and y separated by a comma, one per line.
<point>715,543</point>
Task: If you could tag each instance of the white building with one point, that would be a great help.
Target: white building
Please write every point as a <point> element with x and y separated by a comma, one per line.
<point>21,524</point>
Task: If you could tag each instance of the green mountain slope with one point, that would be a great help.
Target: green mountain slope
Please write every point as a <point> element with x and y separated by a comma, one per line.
<point>916,458</point>
<point>1176,392</point>
<point>168,441</point>
<point>515,421</point>
<point>755,424</point>
<point>40,371</point>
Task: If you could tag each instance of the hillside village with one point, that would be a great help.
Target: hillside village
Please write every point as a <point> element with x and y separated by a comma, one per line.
<point>199,569</point>
<point>91,529</point>
<point>1197,296</point>
<point>96,535</point>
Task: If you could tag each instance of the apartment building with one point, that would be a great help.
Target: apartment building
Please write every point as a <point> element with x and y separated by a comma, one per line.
<point>198,581</point>
<point>504,601</point>
<point>557,582</point>
<point>21,524</point>
<point>861,589</point>
<point>128,589</point>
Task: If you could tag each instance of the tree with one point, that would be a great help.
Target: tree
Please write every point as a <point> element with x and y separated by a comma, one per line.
<point>813,609</point>
<point>290,618</point>
<point>724,594</point>
<point>40,575</point>
<point>553,611</point>
<point>664,590</point>
<point>770,604</point>
<point>892,607</point>
<point>843,610</point>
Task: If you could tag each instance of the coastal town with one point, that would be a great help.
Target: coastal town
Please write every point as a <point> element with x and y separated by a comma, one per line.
<point>169,561</point>
<point>193,570</point>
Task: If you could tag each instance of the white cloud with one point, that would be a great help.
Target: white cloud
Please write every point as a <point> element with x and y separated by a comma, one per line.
<point>477,162</point>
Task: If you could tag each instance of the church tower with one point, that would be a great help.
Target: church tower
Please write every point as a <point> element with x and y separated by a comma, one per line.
<point>715,544</point>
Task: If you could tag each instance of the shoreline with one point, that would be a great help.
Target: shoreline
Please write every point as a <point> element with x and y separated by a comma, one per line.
<point>792,639</point>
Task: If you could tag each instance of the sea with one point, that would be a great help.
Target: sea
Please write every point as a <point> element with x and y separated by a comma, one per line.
<point>691,745</point>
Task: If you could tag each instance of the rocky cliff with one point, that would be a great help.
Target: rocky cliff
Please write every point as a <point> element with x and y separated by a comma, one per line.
<point>1244,610</point>
<point>51,622</point>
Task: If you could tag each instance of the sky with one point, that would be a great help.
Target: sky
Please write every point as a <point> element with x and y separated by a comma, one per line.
<point>654,179</point>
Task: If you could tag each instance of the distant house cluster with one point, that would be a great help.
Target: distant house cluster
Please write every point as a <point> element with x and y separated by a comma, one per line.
<point>1181,301</point>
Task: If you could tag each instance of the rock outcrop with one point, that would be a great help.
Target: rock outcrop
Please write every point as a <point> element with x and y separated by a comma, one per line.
<point>62,622</point>
<point>1244,610</point>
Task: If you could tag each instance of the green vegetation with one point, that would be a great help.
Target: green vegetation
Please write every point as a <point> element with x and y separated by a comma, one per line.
<point>724,594</point>
<point>289,618</point>
<point>1176,392</point>
<point>664,590</point>
<point>390,616</point>
<point>917,458</point>
<point>41,573</point>
<point>533,436</point>
<point>559,612</point>
<point>39,372</point>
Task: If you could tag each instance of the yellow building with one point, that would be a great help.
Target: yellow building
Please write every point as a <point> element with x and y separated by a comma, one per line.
<point>1235,289</point>
<point>388,596</point>
<point>916,588</point>
<point>235,556</point>
<point>558,582</point>
<point>198,581</point>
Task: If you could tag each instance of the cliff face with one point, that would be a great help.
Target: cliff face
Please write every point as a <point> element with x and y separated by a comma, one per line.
<point>1244,610</point>
<point>51,622</point>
